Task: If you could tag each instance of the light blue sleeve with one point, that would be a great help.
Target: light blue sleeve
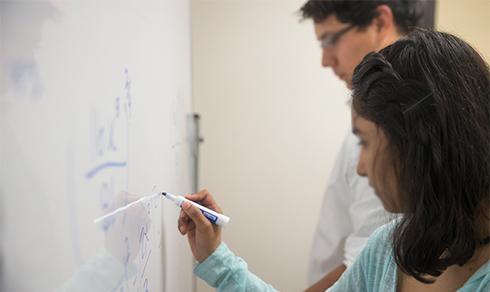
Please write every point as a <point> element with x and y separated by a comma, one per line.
<point>226,272</point>
<point>374,268</point>
<point>354,278</point>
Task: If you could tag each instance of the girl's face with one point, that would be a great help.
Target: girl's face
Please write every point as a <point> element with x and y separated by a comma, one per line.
<point>376,163</point>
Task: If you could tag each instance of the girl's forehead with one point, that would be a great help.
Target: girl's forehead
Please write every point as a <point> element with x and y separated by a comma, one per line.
<point>361,126</point>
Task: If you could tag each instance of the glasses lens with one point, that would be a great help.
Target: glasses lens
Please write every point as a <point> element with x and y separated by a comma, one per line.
<point>329,42</point>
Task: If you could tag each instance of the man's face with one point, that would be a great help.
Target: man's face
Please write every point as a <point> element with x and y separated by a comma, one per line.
<point>349,49</point>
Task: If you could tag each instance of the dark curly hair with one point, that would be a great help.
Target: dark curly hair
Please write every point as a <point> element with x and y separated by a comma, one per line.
<point>406,13</point>
<point>429,93</point>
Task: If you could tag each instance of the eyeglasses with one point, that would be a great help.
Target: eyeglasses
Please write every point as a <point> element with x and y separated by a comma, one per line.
<point>329,42</point>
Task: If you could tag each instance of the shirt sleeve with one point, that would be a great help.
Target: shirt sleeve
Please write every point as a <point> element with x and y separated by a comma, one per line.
<point>225,272</point>
<point>373,269</point>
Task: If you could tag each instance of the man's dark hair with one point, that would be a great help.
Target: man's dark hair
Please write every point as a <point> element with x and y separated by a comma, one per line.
<point>429,93</point>
<point>406,13</point>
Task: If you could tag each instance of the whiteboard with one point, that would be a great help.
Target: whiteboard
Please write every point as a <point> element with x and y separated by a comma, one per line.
<point>96,112</point>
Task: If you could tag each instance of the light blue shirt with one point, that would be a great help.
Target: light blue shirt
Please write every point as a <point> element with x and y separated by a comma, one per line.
<point>373,270</point>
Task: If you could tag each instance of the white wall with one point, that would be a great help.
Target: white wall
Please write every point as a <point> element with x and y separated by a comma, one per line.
<point>273,121</point>
<point>470,19</point>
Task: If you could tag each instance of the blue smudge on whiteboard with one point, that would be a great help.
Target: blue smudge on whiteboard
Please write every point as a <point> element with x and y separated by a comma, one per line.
<point>102,166</point>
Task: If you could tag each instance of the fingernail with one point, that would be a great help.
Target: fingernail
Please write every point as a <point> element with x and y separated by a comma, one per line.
<point>186,205</point>
<point>182,229</point>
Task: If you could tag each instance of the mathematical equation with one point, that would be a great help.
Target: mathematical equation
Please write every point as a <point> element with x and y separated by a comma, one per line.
<point>128,236</point>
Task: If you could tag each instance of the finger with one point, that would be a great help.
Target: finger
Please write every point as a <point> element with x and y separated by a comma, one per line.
<point>183,214</point>
<point>196,215</point>
<point>201,196</point>
<point>182,224</point>
<point>185,224</point>
<point>182,228</point>
<point>204,198</point>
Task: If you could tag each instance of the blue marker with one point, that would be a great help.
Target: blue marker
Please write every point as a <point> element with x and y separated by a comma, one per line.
<point>214,217</point>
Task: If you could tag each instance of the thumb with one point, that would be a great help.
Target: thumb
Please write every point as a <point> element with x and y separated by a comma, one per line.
<point>196,215</point>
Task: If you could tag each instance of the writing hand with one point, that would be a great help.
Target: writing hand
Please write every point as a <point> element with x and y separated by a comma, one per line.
<point>203,236</point>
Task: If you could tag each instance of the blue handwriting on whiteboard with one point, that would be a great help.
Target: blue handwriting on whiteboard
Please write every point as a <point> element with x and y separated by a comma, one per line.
<point>104,133</point>
<point>100,167</point>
